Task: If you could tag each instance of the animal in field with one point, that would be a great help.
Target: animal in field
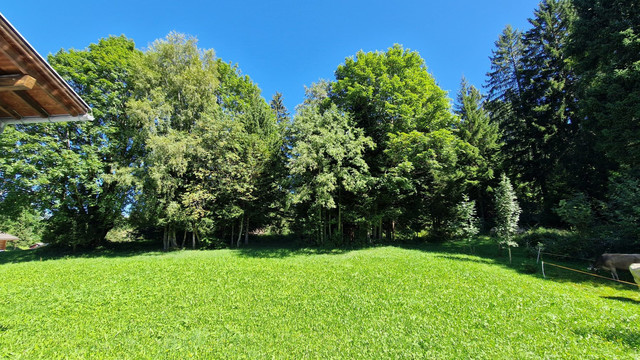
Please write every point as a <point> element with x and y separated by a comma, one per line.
<point>613,262</point>
<point>635,271</point>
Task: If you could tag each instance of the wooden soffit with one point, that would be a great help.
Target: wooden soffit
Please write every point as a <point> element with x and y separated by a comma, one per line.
<point>30,89</point>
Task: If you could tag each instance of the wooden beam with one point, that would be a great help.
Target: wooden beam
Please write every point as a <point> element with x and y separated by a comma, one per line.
<point>16,82</point>
<point>30,67</point>
<point>8,110</point>
<point>32,103</point>
<point>70,109</point>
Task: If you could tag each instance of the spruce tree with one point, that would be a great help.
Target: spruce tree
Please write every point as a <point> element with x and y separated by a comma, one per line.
<point>507,214</point>
<point>478,129</point>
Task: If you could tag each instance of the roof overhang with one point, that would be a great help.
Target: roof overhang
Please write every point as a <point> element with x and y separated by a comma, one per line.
<point>31,91</point>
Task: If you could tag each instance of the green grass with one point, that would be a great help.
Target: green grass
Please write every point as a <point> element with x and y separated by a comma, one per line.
<point>384,302</point>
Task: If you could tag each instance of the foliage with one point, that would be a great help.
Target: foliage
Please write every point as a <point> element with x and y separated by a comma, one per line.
<point>478,129</point>
<point>465,224</point>
<point>605,48</point>
<point>389,94</point>
<point>76,174</point>
<point>507,212</point>
<point>533,96</point>
<point>564,242</point>
<point>428,174</point>
<point>576,211</point>
<point>27,227</point>
<point>326,166</point>
<point>623,207</point>
<point>277,105</point>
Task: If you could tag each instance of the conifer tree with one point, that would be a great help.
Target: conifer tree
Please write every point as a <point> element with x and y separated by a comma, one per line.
<point>507,214</point>
<point>478,129</point>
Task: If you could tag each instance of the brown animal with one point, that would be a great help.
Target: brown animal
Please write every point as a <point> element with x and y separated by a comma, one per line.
<point>612,262</point>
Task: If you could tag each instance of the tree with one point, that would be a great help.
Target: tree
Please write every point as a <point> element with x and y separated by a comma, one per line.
<point>327,167</point>
<point>605,48</point>
<point>465,224</point>
<point>532,95</point>
<point>264,148</point>
<point>212,145</point>
<point>428,176</point>
<point>78,173</point>
<point>478,129</point>
<point>277,105</point>
<point>388,93</point>
<point>507,214</point>
<point>550,119</point>
<point>175,94</point>
<point>505,82</point>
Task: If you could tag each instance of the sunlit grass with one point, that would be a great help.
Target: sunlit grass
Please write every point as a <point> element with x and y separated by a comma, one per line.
<point>262,303</point>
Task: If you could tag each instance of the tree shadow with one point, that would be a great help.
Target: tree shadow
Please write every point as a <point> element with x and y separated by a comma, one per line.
<point>622,298</point>
<point>628,337</point>
<point>467,259</point>
<point>523,261</point>
<point>279,252</point>
<point>108,250</point>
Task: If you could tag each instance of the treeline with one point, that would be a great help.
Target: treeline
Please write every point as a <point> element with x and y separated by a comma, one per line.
<point>186,149</point>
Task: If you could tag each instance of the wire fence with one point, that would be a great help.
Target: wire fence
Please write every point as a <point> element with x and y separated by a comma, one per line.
<point>540,253</point>
<point>586,273</point>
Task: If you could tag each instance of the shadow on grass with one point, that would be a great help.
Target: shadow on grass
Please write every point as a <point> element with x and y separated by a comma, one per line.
<point>467,259</point>
<point>109,250</point>
<point>628,337</point>
<point>523,261</point>
<point>623,299</point>
<point>277,247</point>
<point>271,252</point>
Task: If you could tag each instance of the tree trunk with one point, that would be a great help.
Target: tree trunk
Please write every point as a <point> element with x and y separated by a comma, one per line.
<point>323,226</point>
<point>246,232</point>
<point>193,239</point>
<point>233,228</point>
<point>240,231</point>
<point>184,239</point>
<point>339,220</point>
<point>174,242</point>
<point>165,239</point>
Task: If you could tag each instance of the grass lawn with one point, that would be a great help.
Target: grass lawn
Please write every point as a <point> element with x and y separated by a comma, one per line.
<point>382,302</point>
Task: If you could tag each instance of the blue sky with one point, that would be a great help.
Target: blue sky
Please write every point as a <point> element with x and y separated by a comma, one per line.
<point>284,45</point>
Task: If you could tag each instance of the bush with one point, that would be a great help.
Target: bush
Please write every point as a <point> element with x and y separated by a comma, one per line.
<point>623,208</point>
<point>576,211</point>
<point>563,242</point>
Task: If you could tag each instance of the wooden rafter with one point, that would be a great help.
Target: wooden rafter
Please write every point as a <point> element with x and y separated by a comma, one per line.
<point>19,59</point>
<point>16,82</point>
<point>9,111</point>
<point>32,103</point>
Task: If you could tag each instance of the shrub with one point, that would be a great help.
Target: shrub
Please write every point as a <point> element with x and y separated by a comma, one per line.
<point>576,211</point>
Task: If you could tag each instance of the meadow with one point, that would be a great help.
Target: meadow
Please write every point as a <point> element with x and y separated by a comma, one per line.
<point>428,301</point>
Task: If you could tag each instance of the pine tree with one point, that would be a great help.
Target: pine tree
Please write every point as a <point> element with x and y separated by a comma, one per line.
<point>532,95</point>
<point>466,222</point>
<point>507,214</point>
<point>550,121</point>
<point>478,129</point>
<point>277,105</point>
<point>605,48</point>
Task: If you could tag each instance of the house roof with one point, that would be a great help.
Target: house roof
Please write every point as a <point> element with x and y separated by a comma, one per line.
<point>30,89</point>
<point>8,237</point>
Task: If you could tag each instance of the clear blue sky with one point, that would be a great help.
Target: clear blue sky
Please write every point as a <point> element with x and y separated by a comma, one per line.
<point>284,45</point>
